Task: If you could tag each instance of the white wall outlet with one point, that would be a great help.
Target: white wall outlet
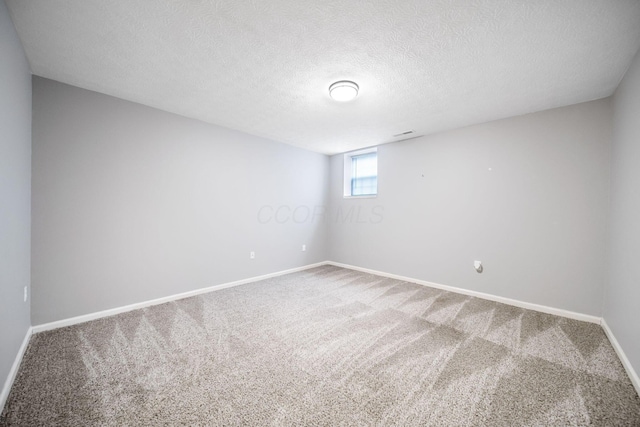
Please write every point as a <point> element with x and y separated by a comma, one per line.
<point>304,248</point>
<point>25,294</point>
<point>252,255</point>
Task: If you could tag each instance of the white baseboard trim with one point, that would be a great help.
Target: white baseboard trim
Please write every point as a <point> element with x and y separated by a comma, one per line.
<point>117,310</point>
<point>6,389</point>
<point>113,311</point>
<point>633,375</point>
<point>509,301</point>
<point>517,303</point>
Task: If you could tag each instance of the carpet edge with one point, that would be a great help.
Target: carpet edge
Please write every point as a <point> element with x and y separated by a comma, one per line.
<point>509,301</point>
<point>633,375</point>
<point>13,372</point>
<point>143,304</point>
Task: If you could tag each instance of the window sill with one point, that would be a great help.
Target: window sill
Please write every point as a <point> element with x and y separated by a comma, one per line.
<point>373,196</point>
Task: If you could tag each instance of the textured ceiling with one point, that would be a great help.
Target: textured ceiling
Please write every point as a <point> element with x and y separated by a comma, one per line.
<point>264,67</point>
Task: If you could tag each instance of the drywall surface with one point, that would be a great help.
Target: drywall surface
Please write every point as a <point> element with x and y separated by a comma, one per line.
<point>623,288</point>
<point>132,203</point>
<point>527,196</point>
<point>15,196</point>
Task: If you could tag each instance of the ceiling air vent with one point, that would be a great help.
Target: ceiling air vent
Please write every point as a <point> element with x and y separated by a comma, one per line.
<point>405,133</point>
<point>403,136</point>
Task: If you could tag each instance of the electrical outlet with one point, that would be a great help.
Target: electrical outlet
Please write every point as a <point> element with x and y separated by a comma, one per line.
<point>304,248</point>
<point>25,294</point>
<point>252,255</point>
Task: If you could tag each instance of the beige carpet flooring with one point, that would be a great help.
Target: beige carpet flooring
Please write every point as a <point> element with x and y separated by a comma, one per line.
<point>324,347</point>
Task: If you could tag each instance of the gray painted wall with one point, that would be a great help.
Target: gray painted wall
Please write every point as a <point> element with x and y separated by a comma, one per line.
<point>623,289</point>
<point>15,199</point>
<point>527,196</point>
<point>131,203</point>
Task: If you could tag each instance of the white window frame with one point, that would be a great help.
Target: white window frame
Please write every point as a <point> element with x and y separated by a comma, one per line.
<point>347,172</point>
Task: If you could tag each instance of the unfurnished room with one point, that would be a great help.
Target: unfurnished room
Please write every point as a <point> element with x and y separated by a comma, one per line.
<point>304,213</point>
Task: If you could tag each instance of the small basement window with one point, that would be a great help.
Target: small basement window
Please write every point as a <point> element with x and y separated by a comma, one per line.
<point>361,173</point>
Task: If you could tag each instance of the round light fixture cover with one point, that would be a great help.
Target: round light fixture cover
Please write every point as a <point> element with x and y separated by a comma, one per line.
<point>343,90</point>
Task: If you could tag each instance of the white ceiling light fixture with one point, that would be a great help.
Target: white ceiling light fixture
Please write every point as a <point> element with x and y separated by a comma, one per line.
<point>343,91</point>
